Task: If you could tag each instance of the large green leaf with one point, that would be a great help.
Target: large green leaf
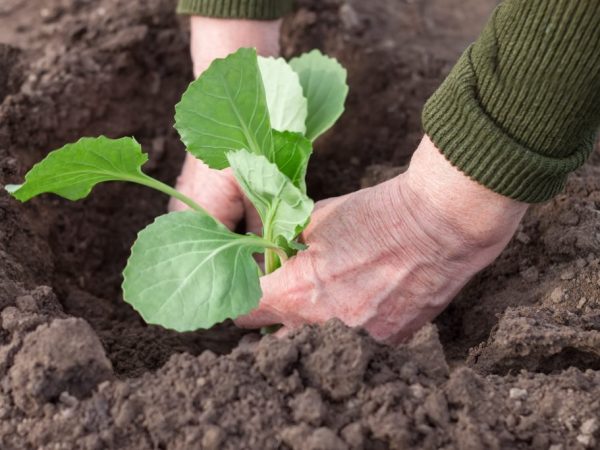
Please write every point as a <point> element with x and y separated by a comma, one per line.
<point>187,271</point>
<point>324,82</point>
<point>285,97</point>
<point>226,109</point>
<point>292,153</point>
<point>73,170</point>
<point>284,209</point>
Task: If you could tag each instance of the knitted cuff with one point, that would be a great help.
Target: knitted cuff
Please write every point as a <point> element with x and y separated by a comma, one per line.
<point>472,141</point>
<point>521,108</point>
<point>236,9</point>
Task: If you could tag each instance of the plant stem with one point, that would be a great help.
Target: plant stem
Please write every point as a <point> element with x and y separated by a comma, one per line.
<point>166,189</point>
<point>272,256</point>
<point>270,261</point>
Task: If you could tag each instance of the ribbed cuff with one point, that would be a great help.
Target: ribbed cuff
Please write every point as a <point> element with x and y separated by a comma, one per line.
<point>472,141</point>
<point>236,9</point>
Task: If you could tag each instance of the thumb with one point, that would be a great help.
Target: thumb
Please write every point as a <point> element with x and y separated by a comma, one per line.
<point>258,318</point>
<point>265,314</point>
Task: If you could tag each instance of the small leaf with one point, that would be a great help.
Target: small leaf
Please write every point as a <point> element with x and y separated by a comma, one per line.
<point>292,153</point>
<point>284,209</point>
<point>285,97</point>
<point>298,246</point>
<point>324,82</point>
<point>187,271</point>
<point>291,248</point>
<point>73,170</point>
<point>226,109</point>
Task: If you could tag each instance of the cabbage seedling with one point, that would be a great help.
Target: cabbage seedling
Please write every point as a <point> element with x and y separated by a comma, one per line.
<point>258,116</point>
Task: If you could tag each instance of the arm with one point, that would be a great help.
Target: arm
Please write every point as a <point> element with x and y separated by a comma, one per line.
<point>216,38</point>
<point>218,28</point>
<point>521,108</point>
<point>516,115</point>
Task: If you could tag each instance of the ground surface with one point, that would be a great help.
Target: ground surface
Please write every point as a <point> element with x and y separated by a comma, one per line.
<point>514,362</point>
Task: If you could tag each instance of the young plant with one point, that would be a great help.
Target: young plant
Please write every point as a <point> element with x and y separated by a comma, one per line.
<point>258,116</point>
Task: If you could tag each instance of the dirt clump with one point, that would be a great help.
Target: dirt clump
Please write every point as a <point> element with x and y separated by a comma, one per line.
<point>52,362</point>
<point>406,398</point>
<point>536,340</point>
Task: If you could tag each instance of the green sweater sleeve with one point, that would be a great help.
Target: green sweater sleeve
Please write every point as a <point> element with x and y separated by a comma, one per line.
<point>521,108</point>
<point>236,9</point>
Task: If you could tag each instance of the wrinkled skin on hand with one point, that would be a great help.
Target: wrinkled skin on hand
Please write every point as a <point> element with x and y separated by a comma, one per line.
<point>390,258</point>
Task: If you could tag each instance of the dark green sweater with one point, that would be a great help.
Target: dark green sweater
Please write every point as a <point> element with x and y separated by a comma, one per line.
<point>521,108</point>
<point>236,9</point>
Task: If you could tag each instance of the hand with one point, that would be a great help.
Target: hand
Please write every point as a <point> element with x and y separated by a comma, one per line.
<point>217,190</point>
<point>390,258</point>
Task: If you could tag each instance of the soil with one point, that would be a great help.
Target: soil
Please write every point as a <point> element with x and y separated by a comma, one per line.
<point>513,363</point>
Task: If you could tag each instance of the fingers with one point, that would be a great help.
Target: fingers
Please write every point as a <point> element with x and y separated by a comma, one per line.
<point>176,206</point>
<point>276,304</point>
<point>258,318</point>
<point>285,296</point>
<point>283,332</point>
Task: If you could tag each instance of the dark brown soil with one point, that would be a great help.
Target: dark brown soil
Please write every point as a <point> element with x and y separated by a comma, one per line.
<point>515,363</point>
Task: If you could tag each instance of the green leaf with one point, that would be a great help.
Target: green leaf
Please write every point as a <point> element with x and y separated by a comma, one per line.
<point>291,248</point>
<point>298,246</point>
<point>226,109</point>
<point>73,170</point>
<point>324,82</point>
<point>187,271</point>
<point>292,153</point>
<point>284,209</point>
<point>285,97</point>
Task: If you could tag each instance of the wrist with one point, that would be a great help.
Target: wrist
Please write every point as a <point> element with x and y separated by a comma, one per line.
<point>479,215</point>
<point>213,38</point>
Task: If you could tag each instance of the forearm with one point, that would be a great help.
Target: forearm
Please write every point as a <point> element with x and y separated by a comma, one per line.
<point>220,27</point>
<point>481,217</point>
<point>213,38</point>
<point>521,108</point>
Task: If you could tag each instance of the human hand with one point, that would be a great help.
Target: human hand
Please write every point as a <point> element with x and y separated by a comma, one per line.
<point>390,258</point>
<point>217,190</point>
